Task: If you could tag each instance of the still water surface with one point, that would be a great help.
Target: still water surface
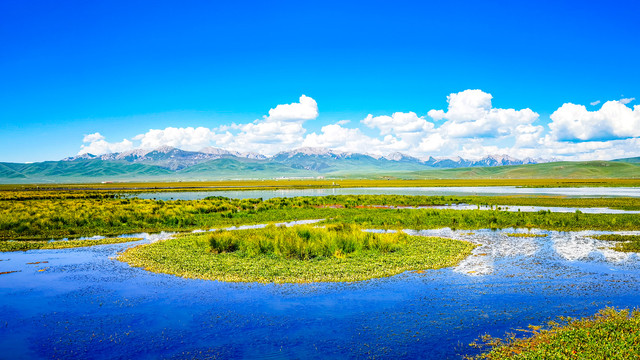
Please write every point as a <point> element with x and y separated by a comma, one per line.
<point>82,303</point>
<point>426,191</point>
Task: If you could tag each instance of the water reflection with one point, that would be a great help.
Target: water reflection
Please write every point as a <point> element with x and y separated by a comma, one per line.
<point>427,191</point>
<point>496,245</point>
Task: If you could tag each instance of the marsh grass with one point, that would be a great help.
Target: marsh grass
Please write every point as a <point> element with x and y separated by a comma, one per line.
<point>296,255</point>
<point>6,246</point>
<point>610,334</point>
<point>525,235</point>
<point>305,242</point>
<point>626,243</point>
<point>58,216</point>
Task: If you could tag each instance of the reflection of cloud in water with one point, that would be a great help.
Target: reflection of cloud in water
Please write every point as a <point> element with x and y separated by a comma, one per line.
<point>497,246</point>
<point>580,245</point>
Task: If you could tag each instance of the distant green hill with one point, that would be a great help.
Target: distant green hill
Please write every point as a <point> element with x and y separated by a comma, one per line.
<point>633,160</point>
<point>236,168</point>
<point>555,170</point>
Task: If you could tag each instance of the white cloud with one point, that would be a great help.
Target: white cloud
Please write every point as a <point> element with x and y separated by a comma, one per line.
<point>306,109</point>
<point>470,127</point>
<point>188,138</point>
<point>614,120</point>
<point>92,137</point>
<point>406,126</point>
<point>336,137</point>
<point>594,103</point>
<point>471,115</point>
<point>281,130</point>
<point>95,144</point>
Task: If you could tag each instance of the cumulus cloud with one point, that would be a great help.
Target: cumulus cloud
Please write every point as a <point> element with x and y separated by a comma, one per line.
<point>614,120</point>
<point>96,144</point>
<point>470,115</point>
<point>306,109</point>
<point>188,138</point>
<point>406,126</point>
<point>281,130</point>
<point>470,127</point>
<point>337,137</point>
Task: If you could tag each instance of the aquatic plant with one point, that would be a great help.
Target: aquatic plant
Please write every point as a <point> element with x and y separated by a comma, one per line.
<point>525,235</point>
<point>610,334</point>
<point>626,243</point>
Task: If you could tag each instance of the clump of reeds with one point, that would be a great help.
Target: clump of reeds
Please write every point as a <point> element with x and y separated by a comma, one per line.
<point>304,242</point>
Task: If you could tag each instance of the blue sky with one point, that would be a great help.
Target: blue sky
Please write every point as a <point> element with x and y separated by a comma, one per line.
<point>122,68</point>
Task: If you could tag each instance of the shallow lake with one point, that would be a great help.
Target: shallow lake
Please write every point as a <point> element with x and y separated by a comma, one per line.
<point>85,304</point>
<point>427,191</point>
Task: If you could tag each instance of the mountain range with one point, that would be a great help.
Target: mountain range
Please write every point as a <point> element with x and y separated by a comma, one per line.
<point>169,163</point>
<point>317,159</point>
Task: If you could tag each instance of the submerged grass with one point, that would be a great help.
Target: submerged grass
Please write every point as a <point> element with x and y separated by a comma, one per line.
<point>610,334</point>
<point>6,246</point>
<point>626,243</point>
<point>296,255</point>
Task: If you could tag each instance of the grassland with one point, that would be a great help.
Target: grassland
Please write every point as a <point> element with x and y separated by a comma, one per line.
<point>296,255</point>
<point>7,246</point>
<point>47,218</point>
<point>610,334</point>
<point>553,170</point>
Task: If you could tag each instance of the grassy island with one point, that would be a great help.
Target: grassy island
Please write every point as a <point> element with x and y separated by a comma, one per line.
<point>299,254</point>
<point>610,334</point>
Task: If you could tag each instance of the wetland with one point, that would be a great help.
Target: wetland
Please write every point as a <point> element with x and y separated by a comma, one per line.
<point>336,276</point>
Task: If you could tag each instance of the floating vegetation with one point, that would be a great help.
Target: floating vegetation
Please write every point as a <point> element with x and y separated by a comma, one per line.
<point>525,235</point>
<point>627,243</point>
<point>9,272</point>
<point>610,334</point>
<point>6,246</point>
<point>296,255</point>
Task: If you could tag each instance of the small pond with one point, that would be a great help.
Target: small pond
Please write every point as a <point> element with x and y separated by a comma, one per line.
<point>82,303</point>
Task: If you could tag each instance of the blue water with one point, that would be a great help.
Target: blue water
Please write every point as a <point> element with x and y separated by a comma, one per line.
<point>426,191</point>
<point>85,304</point>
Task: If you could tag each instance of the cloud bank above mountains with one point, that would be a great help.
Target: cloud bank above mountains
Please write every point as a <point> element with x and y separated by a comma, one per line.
<point>470,127</point>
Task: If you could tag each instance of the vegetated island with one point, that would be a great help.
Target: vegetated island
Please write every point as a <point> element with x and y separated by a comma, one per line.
<point>300,254</point>
<point>610,334</point>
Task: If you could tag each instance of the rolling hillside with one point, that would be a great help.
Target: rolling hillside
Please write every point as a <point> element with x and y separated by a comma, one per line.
<point>555,170</point>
